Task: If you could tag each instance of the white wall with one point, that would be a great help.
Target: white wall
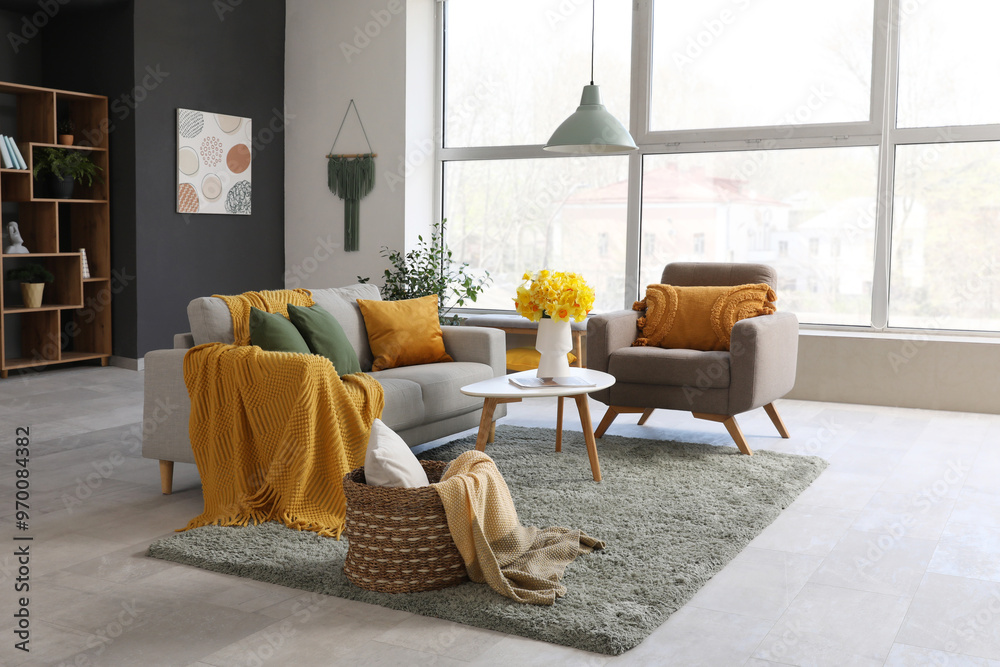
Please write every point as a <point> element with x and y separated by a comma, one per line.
<point>336,51</point>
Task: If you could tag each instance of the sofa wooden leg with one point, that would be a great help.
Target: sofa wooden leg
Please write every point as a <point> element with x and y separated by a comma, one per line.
<point>729,421</point>
<point>167,477</point>
<point>772,412</point>
<point>645,415</point>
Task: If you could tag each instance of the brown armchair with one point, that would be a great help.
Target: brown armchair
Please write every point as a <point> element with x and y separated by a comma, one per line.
<point>758,368</point>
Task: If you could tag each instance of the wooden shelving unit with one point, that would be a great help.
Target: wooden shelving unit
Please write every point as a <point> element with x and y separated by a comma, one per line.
<point>74,321</point>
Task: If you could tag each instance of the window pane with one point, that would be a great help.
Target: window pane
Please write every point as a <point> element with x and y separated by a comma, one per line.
<point>736,63</point>
<point>512,216</point>
<point>809,213</point>
<point>946,237</point>
<point>948,59</point>
<point>514,70</point>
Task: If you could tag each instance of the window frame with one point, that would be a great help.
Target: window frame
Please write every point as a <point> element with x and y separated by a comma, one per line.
<point>878,131</point>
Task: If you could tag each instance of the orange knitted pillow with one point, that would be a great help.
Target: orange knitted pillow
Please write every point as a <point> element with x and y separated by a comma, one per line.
<point>698,318</point>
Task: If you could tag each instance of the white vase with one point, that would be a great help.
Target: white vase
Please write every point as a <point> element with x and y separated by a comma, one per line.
<point>554,342</point>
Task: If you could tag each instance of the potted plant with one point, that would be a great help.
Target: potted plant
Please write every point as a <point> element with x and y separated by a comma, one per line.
<point>32,278</point>
<point>65,129</point>
<point>61,167</point>
<point>430,269</point>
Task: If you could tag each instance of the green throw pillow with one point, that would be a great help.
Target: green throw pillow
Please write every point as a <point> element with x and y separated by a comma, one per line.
<point>324,335</point>
<point>275,333</point>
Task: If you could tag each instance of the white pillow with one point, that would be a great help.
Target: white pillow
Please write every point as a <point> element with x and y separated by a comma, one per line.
<point>389,461</point>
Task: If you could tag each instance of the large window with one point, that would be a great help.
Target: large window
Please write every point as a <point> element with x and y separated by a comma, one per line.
<point>854,146</point>
<point>736,63</point>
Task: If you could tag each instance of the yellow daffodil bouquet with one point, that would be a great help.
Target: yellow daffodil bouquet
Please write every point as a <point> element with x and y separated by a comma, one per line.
<point>558,295</point>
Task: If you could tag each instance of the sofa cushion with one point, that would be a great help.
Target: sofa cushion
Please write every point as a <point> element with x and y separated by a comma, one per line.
<point>678,368</point>
<point>404,333</point>
<point>440,386</point>
<point>324,336</point>
<point>275,333</point>
<point>390,462</point>
<point>341,302</point>
<point>210,321</point>
<point>404,403</point>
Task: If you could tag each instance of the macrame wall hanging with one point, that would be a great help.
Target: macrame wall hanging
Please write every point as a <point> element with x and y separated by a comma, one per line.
<point>351,177</point>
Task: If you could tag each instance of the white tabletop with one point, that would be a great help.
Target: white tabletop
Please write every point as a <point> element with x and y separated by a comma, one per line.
<point>501,387</point>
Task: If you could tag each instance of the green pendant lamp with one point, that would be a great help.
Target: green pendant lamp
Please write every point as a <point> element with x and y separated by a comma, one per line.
<point>591,130</point>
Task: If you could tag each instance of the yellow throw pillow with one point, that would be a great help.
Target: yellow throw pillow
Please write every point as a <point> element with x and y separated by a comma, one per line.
<point>699,318</point>
<point>404,333</point>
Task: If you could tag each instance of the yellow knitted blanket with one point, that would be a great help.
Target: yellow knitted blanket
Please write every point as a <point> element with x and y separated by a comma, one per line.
<point>524,563</point>
<point>274,433</point>
<point>270,301</point>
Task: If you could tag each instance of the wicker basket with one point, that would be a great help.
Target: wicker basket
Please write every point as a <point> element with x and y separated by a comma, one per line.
<point>398,538</point>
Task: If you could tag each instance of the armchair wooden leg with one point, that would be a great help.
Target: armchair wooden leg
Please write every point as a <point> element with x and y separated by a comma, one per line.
<point>614,411</point>
<point>772,412</point>
<point>609,417</point>
<point>167,477</point>
<point>729,421</point>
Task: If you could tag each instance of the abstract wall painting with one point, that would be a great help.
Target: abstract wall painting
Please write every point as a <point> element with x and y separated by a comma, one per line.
<point>213,163</point>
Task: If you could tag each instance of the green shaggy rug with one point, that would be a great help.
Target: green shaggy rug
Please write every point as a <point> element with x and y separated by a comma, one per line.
<point>672,514</point>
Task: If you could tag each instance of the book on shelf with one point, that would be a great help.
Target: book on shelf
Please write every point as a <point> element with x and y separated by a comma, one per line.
<point>17,153</point>
<point>10,154</point>
<point>8,163</point>
<point>532,382</point>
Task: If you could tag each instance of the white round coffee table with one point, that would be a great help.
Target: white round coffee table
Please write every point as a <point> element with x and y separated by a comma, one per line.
<point>500,390</point>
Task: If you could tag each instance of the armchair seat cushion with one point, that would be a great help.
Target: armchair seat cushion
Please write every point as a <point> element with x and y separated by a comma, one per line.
<point>677,368</point>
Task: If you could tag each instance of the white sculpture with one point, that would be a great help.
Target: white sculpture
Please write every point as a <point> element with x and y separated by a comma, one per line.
<point>16,246</point>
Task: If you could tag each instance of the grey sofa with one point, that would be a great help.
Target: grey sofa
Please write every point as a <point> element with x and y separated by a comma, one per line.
<point>422,403</point>
<point>758,368</point>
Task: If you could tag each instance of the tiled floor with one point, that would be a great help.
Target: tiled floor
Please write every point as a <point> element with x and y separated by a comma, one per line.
<point>892,557</point>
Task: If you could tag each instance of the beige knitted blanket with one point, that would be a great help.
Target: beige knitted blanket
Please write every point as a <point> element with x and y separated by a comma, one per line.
<point>524,563</point>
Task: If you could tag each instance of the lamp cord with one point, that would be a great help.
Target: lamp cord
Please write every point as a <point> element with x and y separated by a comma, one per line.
<point>593,23</point>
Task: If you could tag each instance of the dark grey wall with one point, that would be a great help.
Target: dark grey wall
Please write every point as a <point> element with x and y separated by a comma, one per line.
<point>20,50</point>
<point>107,70</point>
<point>211,60</point>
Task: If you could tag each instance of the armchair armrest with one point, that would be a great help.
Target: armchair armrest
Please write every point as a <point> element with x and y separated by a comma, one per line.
<point>479,344</point>
<point>166,408</point>
<point>608,332</point>
<point>763,353</point>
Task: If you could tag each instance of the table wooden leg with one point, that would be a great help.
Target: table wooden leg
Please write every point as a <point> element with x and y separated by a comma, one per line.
<point>486,423</point>
<point>559,420</point>
<point>588,434</point>
<point>493,432</point>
